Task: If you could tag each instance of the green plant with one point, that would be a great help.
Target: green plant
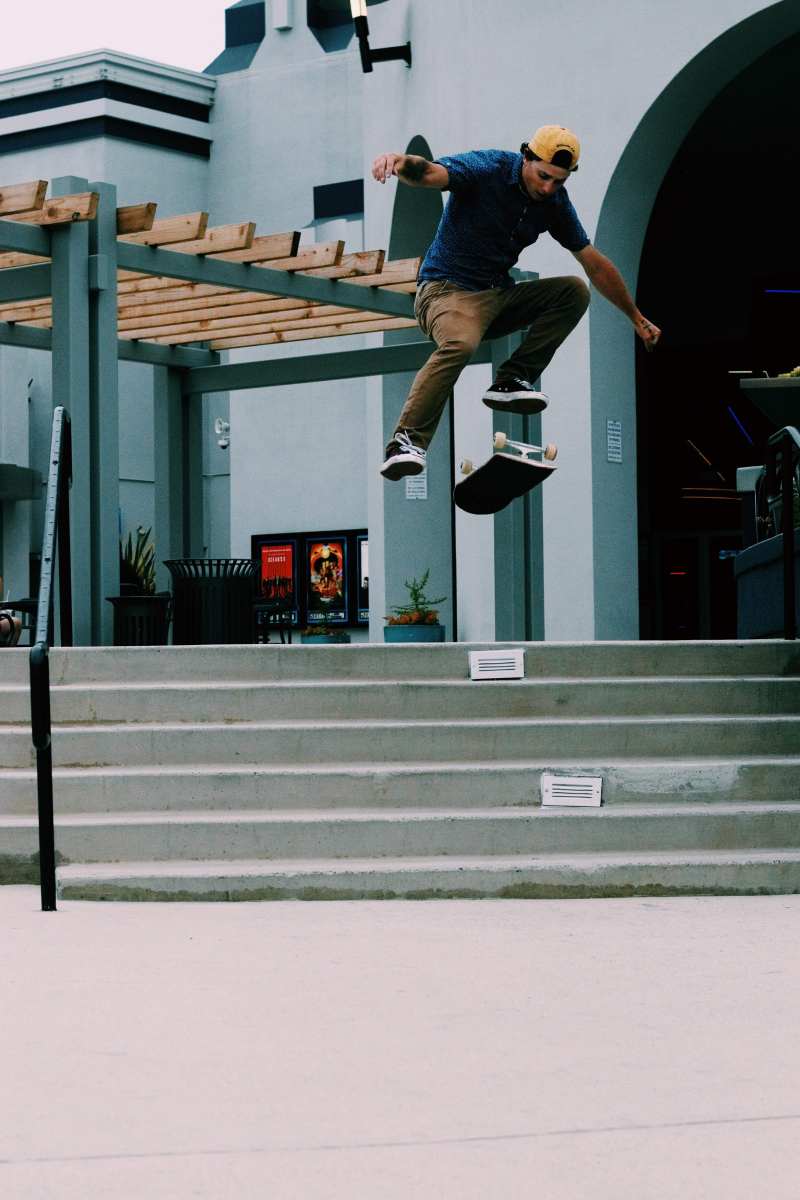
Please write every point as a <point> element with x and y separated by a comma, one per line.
<point>419,610</point>
<point>137,563</point>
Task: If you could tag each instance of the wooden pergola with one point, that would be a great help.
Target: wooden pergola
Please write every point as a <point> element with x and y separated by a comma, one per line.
<point>96,283</point>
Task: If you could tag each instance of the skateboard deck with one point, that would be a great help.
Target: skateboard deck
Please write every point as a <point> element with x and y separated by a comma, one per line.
<point>501,479</point>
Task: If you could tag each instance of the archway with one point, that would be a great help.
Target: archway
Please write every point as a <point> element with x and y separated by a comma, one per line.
<point>719,264</point>
<point>621,231</point>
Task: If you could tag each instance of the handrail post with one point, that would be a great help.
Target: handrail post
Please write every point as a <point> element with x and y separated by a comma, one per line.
<point>56,536</point>
<point>40,723</point>
<point>787,493</point>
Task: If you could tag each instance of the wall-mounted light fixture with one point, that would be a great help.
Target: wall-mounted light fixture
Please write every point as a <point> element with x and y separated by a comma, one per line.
<point>369,56</point>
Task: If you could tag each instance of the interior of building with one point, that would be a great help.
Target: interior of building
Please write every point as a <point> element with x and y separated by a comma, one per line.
<point>719,275</point>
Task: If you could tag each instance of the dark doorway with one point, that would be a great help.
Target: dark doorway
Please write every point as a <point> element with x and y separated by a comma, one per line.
<point>720,272</point>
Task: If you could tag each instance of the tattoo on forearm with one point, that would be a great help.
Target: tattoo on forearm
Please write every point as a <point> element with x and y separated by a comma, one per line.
<point>414,169</point>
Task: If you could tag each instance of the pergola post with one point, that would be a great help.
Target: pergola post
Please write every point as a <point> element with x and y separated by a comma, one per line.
<point>71,388</point>
<point>168,464</point>
<point>193,490</point>
<point>518,535</point>
<point>104,408</point>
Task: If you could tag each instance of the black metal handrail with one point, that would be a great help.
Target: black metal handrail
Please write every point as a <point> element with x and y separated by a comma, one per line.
<point>56,536</point>
<point>780,469</point>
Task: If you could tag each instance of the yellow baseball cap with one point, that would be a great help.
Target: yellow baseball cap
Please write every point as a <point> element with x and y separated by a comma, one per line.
<point>557,145</point>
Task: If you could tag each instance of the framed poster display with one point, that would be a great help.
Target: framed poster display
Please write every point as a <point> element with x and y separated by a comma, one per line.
<point>278,570</point>
<point>327,590</point>
<point>320,578</point>
<point>362,578</point>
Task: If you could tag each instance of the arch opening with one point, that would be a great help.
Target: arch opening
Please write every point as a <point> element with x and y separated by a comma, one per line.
<point>622,231</point>
<point>719,266</point>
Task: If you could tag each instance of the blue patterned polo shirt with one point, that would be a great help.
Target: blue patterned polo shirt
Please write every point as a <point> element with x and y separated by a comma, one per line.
<point>489,219</point>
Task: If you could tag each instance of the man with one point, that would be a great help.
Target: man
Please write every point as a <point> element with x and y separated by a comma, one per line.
<point>500,202</point>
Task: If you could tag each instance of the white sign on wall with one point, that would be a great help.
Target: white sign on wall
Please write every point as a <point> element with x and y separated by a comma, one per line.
<point>417,486</point>
<point>614,440</point>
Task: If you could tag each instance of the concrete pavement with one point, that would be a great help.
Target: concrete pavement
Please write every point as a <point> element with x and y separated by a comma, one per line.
<point>611,1049</point>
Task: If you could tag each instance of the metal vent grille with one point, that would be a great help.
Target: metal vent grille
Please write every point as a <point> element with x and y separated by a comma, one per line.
<point>497,664</point>
<point>572,791</point>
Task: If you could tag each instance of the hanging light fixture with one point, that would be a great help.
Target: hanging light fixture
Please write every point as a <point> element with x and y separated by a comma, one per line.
<point>369,56</point>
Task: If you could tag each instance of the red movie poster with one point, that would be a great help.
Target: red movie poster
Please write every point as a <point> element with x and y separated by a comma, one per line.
<point>277,573</point>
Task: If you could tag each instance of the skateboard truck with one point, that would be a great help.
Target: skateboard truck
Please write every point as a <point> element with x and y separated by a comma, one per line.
<point>526,451</point>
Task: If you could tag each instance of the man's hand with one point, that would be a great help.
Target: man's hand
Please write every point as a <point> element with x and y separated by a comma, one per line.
<point>647,331</point>
<point>384,166</point>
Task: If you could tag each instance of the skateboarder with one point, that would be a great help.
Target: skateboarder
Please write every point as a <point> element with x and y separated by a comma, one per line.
<point>500,203</point>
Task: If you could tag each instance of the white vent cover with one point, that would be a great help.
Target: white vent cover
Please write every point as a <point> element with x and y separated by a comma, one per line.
<point>496,664</point>
<point>572,791</point>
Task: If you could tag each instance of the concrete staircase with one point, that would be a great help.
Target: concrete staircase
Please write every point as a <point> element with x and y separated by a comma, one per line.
<point>271,772</point>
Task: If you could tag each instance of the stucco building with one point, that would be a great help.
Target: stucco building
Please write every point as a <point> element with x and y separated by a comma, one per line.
<point>687,115</point>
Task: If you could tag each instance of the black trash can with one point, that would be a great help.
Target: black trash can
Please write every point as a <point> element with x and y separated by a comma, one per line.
<point>212,600</point>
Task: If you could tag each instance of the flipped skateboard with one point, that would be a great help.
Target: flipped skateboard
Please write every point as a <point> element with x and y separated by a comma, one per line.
<point>503,477</point>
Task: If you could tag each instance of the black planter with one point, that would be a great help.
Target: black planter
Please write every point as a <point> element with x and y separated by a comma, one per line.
<point>141,620</point>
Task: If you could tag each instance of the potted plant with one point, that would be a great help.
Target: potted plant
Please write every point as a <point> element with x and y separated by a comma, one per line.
<point>141,614</point>
<point>417,620</point>
<point>323,635</point>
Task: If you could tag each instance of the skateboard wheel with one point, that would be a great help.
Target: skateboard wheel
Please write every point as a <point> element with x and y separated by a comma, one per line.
<point>550,451</point>
<point>466,466</point>
<point>500,440</point>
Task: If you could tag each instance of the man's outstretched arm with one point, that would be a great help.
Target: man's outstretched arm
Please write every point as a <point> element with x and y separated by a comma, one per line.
<point>609,283</point>
<point>411,169</point>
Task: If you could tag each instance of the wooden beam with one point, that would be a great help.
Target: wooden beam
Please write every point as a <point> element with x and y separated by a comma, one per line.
<point>317,318</point>
<point>380,326</point>
<point>364,262</point>
<point>135,218</point>
<point>273,248</point>
<point>168,305</point>
<point>203,315</point>
<point>223,237</point>
<point>196,294</point>
<point>14,259</point>
<point>22,197</point>
<point>61,210</point>
<point>165,232</point>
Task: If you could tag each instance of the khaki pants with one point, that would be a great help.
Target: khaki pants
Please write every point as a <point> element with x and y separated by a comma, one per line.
<point>458,321</point>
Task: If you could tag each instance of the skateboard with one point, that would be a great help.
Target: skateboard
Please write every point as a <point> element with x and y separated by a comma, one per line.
<point>503,477</point>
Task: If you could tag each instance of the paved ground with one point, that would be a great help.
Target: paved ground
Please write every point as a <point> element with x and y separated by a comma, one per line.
<point>601,1049</point>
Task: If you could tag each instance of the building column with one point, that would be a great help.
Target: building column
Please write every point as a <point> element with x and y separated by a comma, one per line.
<point>71,388</point>
<point>104,409</point>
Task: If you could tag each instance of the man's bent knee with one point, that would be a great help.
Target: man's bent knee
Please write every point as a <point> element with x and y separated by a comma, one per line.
<point>459,348</point>
<point>578,291</point>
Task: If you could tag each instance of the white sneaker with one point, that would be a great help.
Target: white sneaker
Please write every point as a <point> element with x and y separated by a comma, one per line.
<point>403,457</point>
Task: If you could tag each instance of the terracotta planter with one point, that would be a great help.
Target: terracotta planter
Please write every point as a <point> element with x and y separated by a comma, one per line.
<point>413,633</point>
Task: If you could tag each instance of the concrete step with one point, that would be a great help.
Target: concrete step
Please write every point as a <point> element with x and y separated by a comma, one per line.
<point>400,833</point>
<point>421,699</point>
<point>479,784</point>
<point>698,872</point>
<point>405,741</point>
<point>375,661</point>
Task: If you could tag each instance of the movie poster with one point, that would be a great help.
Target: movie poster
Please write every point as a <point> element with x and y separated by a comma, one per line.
<point>278,576</point>
<point>326,581</point>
